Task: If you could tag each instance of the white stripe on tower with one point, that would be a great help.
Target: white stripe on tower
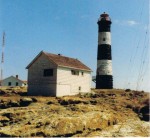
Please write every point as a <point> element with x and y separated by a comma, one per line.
<point>104,67</point>
<point>104,38</point>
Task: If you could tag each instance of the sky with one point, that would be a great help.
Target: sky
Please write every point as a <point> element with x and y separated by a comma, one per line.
<point>69,27</point>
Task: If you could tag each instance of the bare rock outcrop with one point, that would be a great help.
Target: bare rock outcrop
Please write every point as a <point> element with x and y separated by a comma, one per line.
<point>105,113</point>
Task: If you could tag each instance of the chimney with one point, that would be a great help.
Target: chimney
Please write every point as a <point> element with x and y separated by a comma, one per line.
<point>17,76</point>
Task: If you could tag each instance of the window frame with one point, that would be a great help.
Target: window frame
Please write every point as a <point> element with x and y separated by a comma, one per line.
<point>48,72</point>
<point>82,73</point>
<point>9,83</point>
<point>75,72</point>
<point>79,88</point>
<point>104,39</point>
<point>17,84</point>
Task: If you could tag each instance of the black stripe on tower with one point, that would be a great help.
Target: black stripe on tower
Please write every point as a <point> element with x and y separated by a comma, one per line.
<point>104,82</point>
<point>104,52</point>
<point>104,26</point>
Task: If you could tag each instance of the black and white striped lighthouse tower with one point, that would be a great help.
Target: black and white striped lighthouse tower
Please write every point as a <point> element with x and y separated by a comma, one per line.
<point>104,79</point>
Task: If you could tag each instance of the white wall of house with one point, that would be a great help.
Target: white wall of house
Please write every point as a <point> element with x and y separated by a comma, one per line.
<point>68,84</point>
<point>12,81</point>
<point>61,83</point>
<point>39,84</point>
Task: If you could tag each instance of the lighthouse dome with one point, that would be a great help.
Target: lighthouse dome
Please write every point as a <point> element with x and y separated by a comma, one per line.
<point>104,17</point>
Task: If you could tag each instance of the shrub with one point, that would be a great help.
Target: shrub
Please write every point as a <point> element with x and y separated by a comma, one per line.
<point>127,90</point>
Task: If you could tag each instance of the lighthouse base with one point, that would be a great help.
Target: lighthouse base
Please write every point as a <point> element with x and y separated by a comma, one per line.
<point>104,82</point>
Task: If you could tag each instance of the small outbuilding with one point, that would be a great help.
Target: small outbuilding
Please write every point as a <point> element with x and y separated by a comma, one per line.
<point>13,81</point>
<point>57,75</point>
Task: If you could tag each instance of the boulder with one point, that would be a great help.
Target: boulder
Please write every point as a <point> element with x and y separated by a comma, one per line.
<point>25,101</point>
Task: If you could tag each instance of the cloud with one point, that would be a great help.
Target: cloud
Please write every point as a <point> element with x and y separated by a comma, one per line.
<point>130,22</point>
<point>126,22</point>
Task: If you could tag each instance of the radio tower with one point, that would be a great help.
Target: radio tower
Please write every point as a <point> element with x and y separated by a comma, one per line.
<point>2,58</point>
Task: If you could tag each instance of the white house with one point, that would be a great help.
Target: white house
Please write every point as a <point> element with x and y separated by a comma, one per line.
<point>13,81</point>
<point>57,75</point>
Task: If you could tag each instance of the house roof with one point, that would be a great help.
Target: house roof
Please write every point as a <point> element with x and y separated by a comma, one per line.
<point>62,61</point>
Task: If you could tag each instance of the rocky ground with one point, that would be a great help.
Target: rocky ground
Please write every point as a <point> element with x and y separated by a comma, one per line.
<point>99,113</point>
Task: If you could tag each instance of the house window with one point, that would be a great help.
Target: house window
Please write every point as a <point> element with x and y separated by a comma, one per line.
<point>9,83</point>
<point>79,88</point>
<point>82,73</point>
<point>48,72</point>
<point>16,83</point>
<point>75,72</point>
<point>104,39</point>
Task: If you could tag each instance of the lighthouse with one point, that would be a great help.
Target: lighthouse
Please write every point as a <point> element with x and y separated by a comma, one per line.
<point>104,78</point>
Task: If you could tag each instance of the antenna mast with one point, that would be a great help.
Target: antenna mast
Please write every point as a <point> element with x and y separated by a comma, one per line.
<point>2,58</point>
